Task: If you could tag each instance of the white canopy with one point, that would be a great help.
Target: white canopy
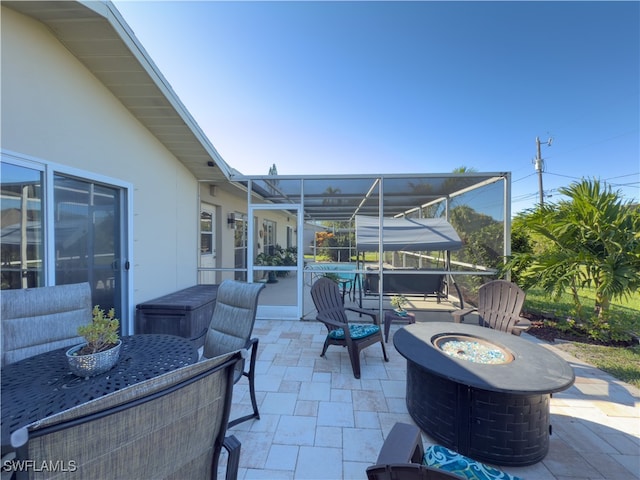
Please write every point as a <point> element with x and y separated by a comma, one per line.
<point>410,234</point>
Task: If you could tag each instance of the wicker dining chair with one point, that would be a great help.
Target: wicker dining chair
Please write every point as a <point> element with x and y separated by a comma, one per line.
<point>332,312</point>
<point>171,426</point>
<point>231,327</point>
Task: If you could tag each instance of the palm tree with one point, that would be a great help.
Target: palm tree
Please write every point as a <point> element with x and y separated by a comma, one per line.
<point>330,193</point>
<point>594,242</point>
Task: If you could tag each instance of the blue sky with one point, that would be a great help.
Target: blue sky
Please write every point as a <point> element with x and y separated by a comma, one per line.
<point>408,87</point>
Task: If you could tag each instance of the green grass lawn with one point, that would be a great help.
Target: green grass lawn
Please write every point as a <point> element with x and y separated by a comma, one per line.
<point>625,313</point>
<point>621,362</point>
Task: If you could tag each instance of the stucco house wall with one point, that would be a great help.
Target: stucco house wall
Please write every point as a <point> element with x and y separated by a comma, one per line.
<point>55,110</point>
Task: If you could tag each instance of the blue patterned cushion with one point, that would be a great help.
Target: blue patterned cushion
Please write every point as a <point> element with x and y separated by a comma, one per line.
<point>445,459</point>
<point>356,331</point>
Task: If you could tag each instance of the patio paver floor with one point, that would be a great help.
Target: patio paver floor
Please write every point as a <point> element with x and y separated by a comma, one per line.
<point>319,422</point>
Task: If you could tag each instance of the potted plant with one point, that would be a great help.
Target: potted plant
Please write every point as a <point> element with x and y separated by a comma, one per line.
<point>102,348</point>
<point>333,276</point>
<point>289,258</point>
<point>398,302</point>
<point>274,260</point>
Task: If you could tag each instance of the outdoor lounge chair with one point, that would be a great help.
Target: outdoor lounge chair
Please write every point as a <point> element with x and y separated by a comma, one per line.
<point>38,320</point>
<point>403,457</point>
<point>230,329</point>
<point>499,306</point>
<point>170,426</point>
<point>332,312</point>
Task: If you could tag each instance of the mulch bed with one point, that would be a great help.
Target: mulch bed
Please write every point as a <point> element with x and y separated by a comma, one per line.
<point>545,332</point>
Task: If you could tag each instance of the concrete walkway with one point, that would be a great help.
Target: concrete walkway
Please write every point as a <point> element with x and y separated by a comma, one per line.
<point>319,422</point>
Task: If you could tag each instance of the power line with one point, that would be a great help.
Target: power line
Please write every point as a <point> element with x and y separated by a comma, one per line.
<point>565,176</point>
<point>523,197</point>
<point>606,180</point>
<point>622,176</point>
<point>580,178</point>
<point>527,176</point>
<point>597,142</point>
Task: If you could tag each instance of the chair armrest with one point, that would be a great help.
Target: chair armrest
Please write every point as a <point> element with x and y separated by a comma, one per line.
<point>251,345</point>
<point>402,445</point>
<point>522,325</point>
<point>232,445</point>
<point>199,335</point>
<point>365,311</point>
<point>328,321</point>
<point>401,456</point>
<point>458,315</point>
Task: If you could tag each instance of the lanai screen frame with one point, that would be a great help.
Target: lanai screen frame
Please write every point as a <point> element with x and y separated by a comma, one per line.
<point>340,197</point>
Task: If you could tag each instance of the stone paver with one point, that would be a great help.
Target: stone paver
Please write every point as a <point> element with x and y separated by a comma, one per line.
<point>319,422</point>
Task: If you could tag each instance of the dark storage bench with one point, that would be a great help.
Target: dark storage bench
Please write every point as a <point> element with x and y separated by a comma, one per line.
<point>186,313</point>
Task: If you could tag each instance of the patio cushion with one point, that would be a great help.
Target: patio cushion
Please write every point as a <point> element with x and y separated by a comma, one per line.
<point>445,459</point>
<point>356,331</point>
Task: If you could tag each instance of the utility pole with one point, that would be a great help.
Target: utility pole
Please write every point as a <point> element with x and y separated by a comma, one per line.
<point>539,165</point>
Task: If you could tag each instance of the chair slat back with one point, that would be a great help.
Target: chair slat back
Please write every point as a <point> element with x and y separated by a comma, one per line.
<point>500,303</point>
<point>327,299</point>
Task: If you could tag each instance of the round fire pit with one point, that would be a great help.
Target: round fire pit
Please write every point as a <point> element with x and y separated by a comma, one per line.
<point>481,392</point>
<point>473,349</point>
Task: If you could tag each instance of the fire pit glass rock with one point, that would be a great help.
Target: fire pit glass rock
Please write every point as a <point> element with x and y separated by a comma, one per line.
<point>472,349</point>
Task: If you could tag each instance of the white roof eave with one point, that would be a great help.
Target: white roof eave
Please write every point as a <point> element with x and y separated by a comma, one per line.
<point>96,34</point>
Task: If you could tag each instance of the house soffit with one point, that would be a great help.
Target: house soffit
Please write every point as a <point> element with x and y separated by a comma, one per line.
<point>96,34</point>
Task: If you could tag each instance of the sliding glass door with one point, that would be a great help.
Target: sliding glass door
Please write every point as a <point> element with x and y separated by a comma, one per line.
<point>88,238</point>
<point>22,237</point>
<point>59,229</point>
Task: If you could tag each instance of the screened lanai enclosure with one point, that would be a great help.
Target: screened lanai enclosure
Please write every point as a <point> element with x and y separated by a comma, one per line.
<point>472,208</point>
